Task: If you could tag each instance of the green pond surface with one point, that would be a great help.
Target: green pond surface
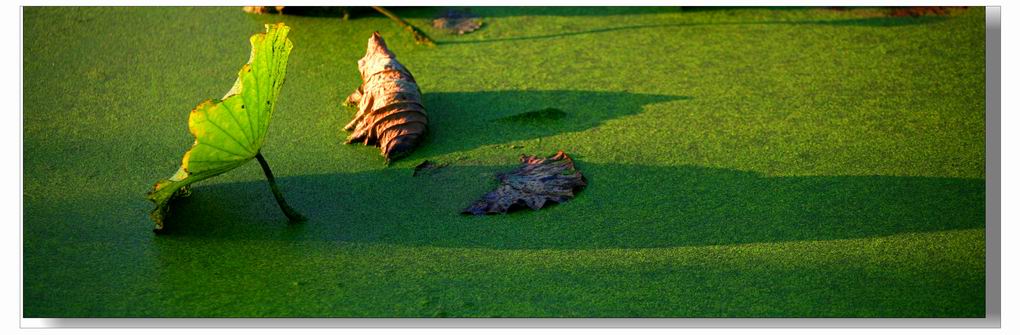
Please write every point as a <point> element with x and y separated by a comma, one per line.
<point>742,162</point>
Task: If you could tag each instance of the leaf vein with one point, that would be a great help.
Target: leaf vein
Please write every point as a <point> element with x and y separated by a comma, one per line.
<point>225,132</point>
<point>221,149</point>
<point>231,112</point>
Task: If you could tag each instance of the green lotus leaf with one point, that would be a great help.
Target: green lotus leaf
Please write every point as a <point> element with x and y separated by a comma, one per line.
<point>229,132</point>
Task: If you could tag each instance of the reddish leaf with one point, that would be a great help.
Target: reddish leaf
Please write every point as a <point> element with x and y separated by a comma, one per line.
<point>537,182</point>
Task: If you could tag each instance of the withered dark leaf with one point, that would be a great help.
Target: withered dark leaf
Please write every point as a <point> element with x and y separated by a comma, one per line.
<point>390,113</point>
<point>457,22</point>
<point>537,182</point>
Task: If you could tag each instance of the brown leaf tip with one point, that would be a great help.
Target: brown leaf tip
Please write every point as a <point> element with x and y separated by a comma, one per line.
<point>377,45</point>
<point>534,184</point>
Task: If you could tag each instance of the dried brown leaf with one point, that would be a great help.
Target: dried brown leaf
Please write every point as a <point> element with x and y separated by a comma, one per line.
<point>534,184</point>
<point>390,114</point>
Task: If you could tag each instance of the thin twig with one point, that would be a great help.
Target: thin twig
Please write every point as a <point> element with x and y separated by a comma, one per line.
<point>419,36</point>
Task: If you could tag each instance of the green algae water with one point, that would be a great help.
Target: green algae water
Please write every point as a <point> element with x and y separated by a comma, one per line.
<point>742,162</point>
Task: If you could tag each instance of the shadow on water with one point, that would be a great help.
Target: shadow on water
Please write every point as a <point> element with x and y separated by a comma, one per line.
<point>624,206</point>
<point>482,11</point>
<point>428,12</point>
<point>485,12</point>
<point>467,120</point>
<point>864,22</point>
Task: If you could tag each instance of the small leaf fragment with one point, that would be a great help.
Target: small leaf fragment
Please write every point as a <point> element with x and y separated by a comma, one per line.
<point>457,22</point>
<point>427,167</point>
<point>390,112</point>
<point>230,132</point>
<point>537,182</point>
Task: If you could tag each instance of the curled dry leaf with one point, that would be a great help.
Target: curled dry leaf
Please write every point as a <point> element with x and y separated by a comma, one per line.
<point>390,113</point>
<point>457,22</point>
<point>534,184</point>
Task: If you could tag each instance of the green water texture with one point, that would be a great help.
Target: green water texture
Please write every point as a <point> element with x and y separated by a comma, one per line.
<point>742,162</point>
